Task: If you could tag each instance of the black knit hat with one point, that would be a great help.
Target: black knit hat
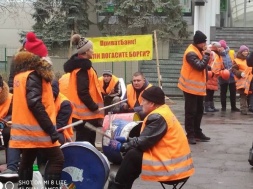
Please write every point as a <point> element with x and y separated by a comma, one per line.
<point>1,81</point>
<point>154,94</point>
<point>199,37</point>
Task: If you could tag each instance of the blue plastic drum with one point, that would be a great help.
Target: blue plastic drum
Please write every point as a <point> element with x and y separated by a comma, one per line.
<point>120,128</point>
<point>84,166</point>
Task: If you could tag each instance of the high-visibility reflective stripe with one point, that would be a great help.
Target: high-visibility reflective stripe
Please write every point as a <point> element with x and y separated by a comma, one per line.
<point>83,114</point>
<point>83,107</point>
<point>26,127</point>
<point>186,86</point>
<point>31,138</point>
<point>166,162</point>
<point>168,173</point>
<point>193,81</point>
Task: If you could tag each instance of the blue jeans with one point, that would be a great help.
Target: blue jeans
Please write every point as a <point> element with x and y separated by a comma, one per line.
<point>13,158</point>
<point>13,154</point>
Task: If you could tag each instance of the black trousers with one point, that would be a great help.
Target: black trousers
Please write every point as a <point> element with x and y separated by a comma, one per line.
<point>54,167</point>
<point>130,168</point>
<point>209,95</point>
<point>193,114</point>
<point>223,94</point>
<point>85,134</point>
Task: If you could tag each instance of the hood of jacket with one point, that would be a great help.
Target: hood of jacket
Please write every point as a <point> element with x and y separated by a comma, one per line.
<point>24,61</point>
<point>4,93</point>
<point>75,62</point>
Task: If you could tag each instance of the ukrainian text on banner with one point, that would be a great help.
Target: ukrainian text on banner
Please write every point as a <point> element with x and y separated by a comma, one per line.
<point>122,48</point>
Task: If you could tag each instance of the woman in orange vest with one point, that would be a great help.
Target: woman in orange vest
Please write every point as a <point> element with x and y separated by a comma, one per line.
<point>33,117</point>
<point>13,154</point>
<point>212,82</point>
<point>162,140</point>
<point>63,113</point>
<point>243,78</point>
<point>84,90</point>
<point>5,111</point>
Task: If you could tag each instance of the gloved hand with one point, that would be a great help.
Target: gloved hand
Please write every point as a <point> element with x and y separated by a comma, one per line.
<point>51,131</point>
<point>125,106</point>
<point>138,109</point>
<point>54,137</point>
<point>121,139</point>
<point>115,145</point>
<point>243,75</point>
<point>2,124</point>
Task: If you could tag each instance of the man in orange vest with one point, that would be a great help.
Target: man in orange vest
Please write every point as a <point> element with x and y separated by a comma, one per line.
<point>111,90</point>
<point>84,90</point>
<point>33,118</point>
<point>192,82</point>
<point>133,94</point>
<point>162,139</point>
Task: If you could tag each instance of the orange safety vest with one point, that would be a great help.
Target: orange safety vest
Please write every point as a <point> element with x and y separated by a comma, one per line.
<point>191,80</point>
<point>243,83</point>
<point>80,110</point>
<point>170,159</point>
<point>68,133</point>
<point>131,95</point>
<point>4,108</point>
<point>111,85</point>
<point>64,84</point>
<point>25,130</point>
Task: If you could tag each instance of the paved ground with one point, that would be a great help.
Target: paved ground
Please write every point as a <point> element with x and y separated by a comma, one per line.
<point>222,162</point>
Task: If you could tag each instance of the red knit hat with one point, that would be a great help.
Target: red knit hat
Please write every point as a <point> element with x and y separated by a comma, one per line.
<point>35,45</point>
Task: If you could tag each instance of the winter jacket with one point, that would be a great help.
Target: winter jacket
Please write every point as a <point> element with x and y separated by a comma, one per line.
<point>155,129</point>
<point>215,66</point>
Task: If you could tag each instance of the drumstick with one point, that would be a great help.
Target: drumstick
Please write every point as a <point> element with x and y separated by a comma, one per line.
<point>106,107</point>
<point>3,120</point>
<point>97,130</point>
<point>70,125</point>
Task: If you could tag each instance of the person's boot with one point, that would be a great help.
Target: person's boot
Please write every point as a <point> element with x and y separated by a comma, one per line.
<point>202,137</point>
<point>223,106</point>
<point>52,181</point>
<point>207,107</point>
<point>243,104</point>
<point>115,185</point>
<point>212,107</point>
<point>233,105</point>
<point>112,184</point>
<point>25,178</point>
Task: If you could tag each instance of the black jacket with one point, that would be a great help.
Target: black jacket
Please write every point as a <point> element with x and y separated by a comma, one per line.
<point>65,110</point>
<point>198,64</point>
<point>82,79</point>
<point>156,127</point>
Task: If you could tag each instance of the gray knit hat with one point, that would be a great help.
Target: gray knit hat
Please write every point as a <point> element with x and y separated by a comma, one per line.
<point>107,72</point>
<point>82,44</point>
